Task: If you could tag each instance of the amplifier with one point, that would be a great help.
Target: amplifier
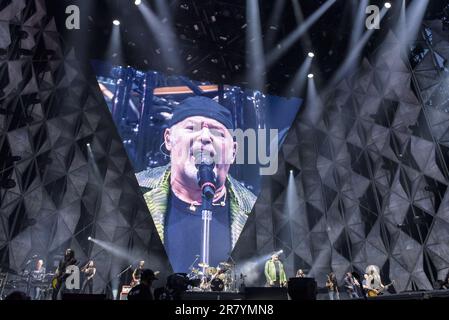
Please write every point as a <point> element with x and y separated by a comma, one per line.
<point>124,292</point>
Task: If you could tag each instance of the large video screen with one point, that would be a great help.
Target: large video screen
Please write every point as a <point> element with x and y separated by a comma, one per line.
<point>179,133</point>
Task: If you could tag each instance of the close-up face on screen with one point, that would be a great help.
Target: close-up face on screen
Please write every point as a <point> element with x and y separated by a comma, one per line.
<point>173,133</point>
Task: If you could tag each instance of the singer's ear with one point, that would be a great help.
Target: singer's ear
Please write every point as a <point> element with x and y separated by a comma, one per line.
<point>167,139</point>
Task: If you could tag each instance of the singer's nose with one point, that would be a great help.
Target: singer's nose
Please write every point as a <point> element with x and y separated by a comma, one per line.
<point>206,136</point>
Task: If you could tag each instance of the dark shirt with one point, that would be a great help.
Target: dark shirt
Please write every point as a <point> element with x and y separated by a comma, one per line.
<point>183,234</point>
<point>63,264</point>
<point>140,292</point>
<point>277,268</point>
<point>349,283</point>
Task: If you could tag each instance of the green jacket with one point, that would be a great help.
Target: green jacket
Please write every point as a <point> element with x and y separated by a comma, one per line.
<point>270,272</point>
<point>155,184</point>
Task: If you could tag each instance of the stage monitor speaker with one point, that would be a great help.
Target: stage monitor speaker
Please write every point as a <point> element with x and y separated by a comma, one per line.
<point>263,293</point>
<point>302,288</point>
<point>81,296</point>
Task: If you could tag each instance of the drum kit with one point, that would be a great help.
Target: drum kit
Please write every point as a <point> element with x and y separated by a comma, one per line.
<point>24,281</point>
<point>220,278</point>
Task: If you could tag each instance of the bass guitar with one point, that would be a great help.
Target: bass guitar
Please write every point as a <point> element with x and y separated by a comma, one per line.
<point>376,292</point>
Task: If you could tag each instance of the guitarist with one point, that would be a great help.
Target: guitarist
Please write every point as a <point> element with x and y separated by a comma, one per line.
<point>374,283</point>
<point>60,274</point>
<point>137,274</point>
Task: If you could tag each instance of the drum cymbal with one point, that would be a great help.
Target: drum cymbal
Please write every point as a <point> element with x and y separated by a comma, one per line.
<point>203,265</point>
<point>211,270</point>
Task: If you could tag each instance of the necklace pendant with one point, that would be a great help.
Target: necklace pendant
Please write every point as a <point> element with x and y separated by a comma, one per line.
<point>192,208</point>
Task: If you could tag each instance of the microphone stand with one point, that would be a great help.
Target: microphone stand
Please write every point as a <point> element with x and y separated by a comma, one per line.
<point>193,263</point>
<point>206,215</point>
<point>206,181</point>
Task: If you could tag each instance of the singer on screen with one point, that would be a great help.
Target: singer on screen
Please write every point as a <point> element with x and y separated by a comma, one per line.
<point>198,134</point>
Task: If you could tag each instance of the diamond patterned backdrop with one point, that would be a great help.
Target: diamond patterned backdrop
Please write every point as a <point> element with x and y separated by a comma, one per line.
<point>50,109</point>
<point>372,175</point>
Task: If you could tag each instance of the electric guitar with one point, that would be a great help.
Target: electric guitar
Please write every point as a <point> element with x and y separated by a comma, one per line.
<point>377,292</point>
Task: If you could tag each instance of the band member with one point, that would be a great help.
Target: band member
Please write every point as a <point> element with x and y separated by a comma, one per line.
<point>274,272</point>
<point>374,285</point>
<point>37,278</point>
<point>61,275</point>
<point>300,274</point>
<point>332,287</point>
<point>89,271</point>
<point>137,273</point>
<point>143,291</point>
<point>172,194</point>
<point>374,282</point>
<point>365,282</point>
<point>351,285</point>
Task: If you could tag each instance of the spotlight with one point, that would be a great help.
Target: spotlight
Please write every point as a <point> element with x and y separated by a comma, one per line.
<point>116,22</point>
<point>311,55</point>
<point>88,145</point>
<point>138,2</point>
<point>310,75</point>
<point>89,238</point>
<point>291,171</point>
<point>387,5</point>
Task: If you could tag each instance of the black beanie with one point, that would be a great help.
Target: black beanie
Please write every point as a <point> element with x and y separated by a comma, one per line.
<point>204,107</point>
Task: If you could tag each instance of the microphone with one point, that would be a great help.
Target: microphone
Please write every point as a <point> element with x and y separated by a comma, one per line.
<point>206,176</point>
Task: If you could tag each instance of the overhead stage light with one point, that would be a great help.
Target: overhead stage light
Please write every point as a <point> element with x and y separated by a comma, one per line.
<point>89,238</point>
<point>116,22</point>
<point>387,5</point>
<point>311,55</point>
<point>310,75</point>
<point>138,2</point>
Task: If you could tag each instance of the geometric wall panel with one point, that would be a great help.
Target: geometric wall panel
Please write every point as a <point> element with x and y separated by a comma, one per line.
<point>50,109</point>
<point>373,171</point>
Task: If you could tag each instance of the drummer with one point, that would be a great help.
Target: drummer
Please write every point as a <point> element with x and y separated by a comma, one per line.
<point>37,278</point>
